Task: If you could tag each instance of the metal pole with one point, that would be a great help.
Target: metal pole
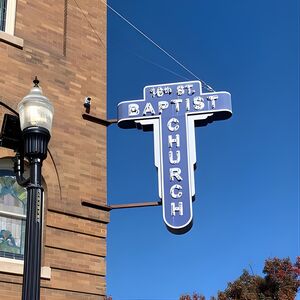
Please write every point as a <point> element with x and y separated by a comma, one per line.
<point>32,257</point>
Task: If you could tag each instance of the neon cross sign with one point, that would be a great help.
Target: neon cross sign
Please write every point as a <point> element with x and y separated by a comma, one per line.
<point>172,111</point>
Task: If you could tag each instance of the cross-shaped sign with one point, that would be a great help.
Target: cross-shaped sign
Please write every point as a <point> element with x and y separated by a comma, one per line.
<point>172,111</point>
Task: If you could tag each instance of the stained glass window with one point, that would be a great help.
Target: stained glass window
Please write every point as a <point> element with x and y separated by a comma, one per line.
<point>12,216</point>
<point>2,14</point>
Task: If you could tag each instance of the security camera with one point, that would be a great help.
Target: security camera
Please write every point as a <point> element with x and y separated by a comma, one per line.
<point>87,104</point>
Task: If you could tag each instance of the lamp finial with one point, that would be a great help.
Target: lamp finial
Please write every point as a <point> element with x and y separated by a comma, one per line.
<point>36,82</point>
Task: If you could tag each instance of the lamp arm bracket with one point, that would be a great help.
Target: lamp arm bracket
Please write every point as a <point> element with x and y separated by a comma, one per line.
<point>19,170</point>
<point>99,121</point>
<point>9,108</point>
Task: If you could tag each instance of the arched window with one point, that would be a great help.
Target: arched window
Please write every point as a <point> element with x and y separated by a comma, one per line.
<point>13,205</point>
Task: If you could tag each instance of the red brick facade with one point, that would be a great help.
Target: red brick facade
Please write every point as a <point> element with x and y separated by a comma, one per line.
<point>64,44</point>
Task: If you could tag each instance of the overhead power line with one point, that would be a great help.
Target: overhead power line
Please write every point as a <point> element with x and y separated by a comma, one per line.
<point>209,88</point>
<point>158,65</point>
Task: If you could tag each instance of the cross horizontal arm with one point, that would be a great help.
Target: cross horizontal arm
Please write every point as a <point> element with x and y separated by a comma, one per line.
<point>218,104</point>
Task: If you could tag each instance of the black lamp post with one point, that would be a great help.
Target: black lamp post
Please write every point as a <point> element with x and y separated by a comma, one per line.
<point>36,114</point>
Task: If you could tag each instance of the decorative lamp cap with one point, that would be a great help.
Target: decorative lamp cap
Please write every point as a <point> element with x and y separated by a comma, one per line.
<point>35,109</point>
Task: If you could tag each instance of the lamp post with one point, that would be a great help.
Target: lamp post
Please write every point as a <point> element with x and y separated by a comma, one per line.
<point>36,114</point>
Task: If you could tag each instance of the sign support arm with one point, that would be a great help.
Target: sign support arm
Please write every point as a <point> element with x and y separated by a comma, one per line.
<point>96,205</point>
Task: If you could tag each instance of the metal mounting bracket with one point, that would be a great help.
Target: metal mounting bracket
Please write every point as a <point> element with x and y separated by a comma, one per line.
<point>96,205</point>
<point>97,120</point>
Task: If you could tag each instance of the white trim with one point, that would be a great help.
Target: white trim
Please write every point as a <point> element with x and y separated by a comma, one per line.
<point>14,266</point>
<point>11,40</point>
<point>126,101</point>
<point>10,16</point>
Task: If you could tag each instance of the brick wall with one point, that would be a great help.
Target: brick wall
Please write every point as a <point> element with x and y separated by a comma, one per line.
<point>65,46</point>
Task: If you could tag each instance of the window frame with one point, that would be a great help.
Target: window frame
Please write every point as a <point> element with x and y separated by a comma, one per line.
<point>8,34</point>
<point>10,17</point>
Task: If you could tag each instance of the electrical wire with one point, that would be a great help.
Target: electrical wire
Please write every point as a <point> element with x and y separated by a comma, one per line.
<point>93,29</point>
<point>162,67</point>
<point>159,66</point>
<point>57,174</point>
<point>209,88</point>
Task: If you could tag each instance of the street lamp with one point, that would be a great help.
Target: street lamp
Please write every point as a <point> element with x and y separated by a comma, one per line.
<point>36,114</point>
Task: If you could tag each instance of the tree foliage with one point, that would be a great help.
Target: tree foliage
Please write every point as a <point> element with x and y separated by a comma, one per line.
<point>281,281</point>
<point>195,296</point>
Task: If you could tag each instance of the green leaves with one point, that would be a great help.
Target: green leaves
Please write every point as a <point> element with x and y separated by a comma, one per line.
<point>281,282</point>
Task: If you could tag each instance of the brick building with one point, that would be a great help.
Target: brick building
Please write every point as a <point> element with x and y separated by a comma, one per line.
<point>64,44</point>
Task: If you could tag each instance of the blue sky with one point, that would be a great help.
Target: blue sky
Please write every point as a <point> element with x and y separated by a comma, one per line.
<point>247,177</point>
